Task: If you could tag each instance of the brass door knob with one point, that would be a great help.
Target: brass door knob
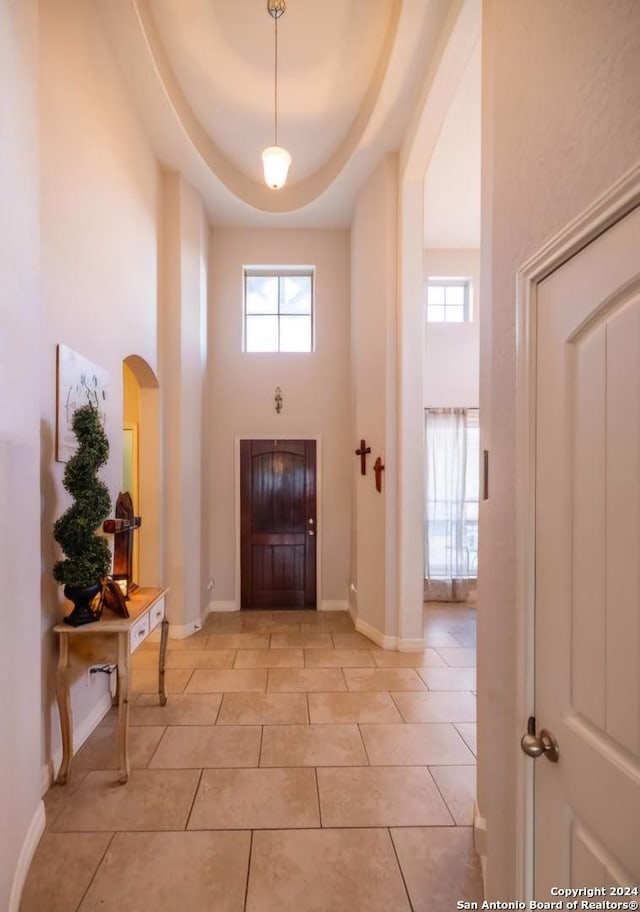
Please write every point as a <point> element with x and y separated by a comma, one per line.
<point>536,746</point>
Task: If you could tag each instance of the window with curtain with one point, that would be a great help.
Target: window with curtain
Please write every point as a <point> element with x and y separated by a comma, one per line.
<point>452,486</point>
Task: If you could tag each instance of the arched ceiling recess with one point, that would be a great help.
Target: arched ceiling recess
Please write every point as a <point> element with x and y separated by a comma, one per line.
<point>201,73</point>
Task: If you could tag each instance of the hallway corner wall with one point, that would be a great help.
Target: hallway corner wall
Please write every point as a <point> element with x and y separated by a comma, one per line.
<point>374,252</point>
<point>183,366</point>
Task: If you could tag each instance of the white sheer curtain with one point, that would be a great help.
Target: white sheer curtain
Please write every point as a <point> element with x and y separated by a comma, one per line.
<point>450,530</point>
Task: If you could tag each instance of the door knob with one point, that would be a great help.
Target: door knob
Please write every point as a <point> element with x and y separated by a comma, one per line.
<point>535,746</point>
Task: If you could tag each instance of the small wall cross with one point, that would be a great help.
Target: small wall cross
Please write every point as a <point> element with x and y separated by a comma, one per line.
<point>378,468</point>
<point>362,453</point>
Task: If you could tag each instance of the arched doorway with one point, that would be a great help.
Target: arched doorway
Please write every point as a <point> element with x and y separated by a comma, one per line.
<point>141,464</point>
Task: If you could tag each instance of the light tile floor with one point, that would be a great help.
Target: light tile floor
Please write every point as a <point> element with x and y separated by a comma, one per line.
<point>296,767</point>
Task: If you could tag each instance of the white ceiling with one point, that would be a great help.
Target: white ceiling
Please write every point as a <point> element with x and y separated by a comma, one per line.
<point>223,58</point>
<point>201,75</point>
<point>452,181</point>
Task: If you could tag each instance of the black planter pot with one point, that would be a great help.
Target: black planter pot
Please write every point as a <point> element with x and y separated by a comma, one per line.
<point>81,596</point>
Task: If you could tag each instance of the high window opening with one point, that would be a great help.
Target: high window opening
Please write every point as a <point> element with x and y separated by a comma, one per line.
<point>278,310</point>
<point>448,300</point>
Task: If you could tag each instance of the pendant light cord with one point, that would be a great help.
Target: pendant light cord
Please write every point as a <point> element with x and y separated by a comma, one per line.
<point>275,70</point>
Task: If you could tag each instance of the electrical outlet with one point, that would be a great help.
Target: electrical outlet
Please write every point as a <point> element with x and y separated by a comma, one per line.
<point>94,671</point>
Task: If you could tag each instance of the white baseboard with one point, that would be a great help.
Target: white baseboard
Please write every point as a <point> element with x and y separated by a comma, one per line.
<point>80,735</point>
<point>182,631</point>
<point>379,638</point>
<point>333,605</point>
<point>176,631</point>
<point>223,606</point>
<point>410,645</point>
<point>29,846</point>
<point>353,601</point>
<point>480,842</point>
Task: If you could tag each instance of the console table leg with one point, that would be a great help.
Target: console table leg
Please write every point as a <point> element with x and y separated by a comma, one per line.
<point>123,705</point>
<point>162,684</point>
<point>64,710</point>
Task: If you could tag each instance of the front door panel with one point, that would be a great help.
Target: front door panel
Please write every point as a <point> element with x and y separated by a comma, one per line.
<point>278,523</point>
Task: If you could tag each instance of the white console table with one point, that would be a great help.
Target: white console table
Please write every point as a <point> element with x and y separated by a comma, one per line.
<point>110,640</point>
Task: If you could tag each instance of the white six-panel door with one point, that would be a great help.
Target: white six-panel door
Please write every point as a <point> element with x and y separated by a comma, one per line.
<point>587,603</point>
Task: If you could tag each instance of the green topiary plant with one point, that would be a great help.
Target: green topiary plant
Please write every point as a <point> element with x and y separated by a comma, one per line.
<point>88,558</point>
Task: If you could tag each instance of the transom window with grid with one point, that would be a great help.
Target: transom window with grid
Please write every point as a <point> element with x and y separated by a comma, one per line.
<point>278,310</point>
<point>448,301</point>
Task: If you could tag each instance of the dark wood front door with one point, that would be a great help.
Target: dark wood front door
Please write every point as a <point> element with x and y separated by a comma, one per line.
<point>278,523</point>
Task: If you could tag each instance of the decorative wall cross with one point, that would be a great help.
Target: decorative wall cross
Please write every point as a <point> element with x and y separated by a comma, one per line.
<point>362,453</point>
<point>378,468</point>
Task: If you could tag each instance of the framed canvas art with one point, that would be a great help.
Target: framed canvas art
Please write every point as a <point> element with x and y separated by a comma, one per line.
<point>80,381</point>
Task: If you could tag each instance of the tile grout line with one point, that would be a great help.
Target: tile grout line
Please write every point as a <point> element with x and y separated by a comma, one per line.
<point>93,876</point>
<point>193,801</point>
<point>397,857</point>
<point>455,725</point>
<point>246,887</point>
<point>366,752</point>
<point>222,696</point>
<point>259,766</point>
<point>395,703</point>
<point>315,771</point>
<point>186,683</point>
<point>446,803</point>
<point>156,748</point>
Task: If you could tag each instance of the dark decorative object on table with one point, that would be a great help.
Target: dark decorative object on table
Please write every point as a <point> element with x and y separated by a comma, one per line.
<point>113,598</point>
<point>122,528</point>
<point>88,559</point>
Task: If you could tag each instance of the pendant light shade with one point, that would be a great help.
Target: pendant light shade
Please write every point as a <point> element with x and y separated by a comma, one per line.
<point>276,162</point>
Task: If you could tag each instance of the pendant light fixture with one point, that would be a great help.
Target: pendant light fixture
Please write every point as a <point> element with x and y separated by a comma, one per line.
<point>275,159</point>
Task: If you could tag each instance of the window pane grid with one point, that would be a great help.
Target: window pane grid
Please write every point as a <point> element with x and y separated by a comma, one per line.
<point>278,312</point>
<point>448,301</point>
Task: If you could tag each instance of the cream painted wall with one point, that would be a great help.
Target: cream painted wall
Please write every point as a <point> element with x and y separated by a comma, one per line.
<point>561,122</point>
<point>373,345</point>
<point>315,388</point>
<point>452,350</point>
<point>99,200</point>
<point>183,377</point>
<point>19,447</point>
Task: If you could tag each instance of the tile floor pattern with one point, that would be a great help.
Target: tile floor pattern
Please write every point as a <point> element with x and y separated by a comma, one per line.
<point>296,767</point>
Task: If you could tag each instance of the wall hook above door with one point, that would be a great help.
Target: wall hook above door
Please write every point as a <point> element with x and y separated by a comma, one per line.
<point>278,399</point>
